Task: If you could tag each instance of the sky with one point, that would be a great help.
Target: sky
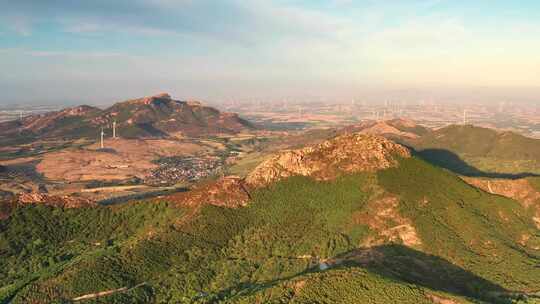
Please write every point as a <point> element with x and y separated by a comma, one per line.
<point>109,50</point>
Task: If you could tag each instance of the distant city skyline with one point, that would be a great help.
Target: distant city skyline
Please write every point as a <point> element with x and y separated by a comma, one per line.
<point>100,52</point>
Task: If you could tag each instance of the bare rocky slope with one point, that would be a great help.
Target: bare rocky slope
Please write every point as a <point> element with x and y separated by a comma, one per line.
<point>347,153</point>
<point>54,200</point>
<point>228,191</point>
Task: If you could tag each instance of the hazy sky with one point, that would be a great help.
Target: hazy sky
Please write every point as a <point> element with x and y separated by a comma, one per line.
<point>106,50</point>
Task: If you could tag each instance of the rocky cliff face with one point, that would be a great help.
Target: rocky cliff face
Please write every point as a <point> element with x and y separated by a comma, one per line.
<point>344,154</point>
<point>54,200</point>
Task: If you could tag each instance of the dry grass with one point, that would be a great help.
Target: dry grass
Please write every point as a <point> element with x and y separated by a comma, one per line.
<point>123,159</point>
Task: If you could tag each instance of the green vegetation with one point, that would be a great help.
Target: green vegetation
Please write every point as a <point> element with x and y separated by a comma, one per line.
<point>269,251</point>
<point>471,150</point>
<point>415,129</point>
<point>217,251</point>
<point>349,284</point>
<point>247,164</point>
<point>38,242</point>
<point>466,226</point>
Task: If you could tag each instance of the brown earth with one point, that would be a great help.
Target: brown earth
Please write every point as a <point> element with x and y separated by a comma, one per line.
<point>346,153</point>
<point>15,161</point>
<point>395,128</point>
<point>382,128</point>
<point>404,122</point>
<point>122,159</point>
<point>518,189</point>
<point>155,116</point>
<point>382,216</point>
<point>19,176</point>
<point>162,115</point>
<point>56,201</point>
<point>226,192</point>
<point>37,123</point>
<point>440,300</point>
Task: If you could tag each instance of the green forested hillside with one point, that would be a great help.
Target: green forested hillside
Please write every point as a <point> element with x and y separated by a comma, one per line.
<point>475,247</point>
<point>472,150</point>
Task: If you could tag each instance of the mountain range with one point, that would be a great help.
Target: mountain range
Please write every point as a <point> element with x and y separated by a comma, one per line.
<point>355,218</point>
<point>154,116</point>
<point>464,149</point>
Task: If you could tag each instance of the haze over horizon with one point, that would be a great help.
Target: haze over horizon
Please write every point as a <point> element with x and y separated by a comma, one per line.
<point>105,51</point>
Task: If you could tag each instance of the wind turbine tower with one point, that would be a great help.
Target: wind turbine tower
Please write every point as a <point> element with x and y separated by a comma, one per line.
<point>465,116</point>
<point>102,134</point>
<point>114,129</point>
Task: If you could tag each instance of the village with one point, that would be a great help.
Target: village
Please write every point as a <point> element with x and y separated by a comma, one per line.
<point>176,169</point>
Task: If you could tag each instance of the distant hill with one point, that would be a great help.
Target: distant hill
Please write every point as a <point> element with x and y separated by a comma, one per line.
<point>395,128</point>
<point>161,114</point>
<point>470,149</point>
<point>373,224</point>
<point>67,123</point>
<point>154,116</point>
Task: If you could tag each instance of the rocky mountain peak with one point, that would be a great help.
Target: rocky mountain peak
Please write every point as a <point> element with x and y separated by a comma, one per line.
<point>153,116</point>
<point>79,110</point>
<point>149,100</point>
<point>347,153</point>
<point>162,96</point>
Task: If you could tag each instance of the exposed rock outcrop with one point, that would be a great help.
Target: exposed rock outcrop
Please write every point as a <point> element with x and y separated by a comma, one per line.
<point>226,192</point>
<point>344,154</point>
<point>383,217</point>
<point>53,200</point>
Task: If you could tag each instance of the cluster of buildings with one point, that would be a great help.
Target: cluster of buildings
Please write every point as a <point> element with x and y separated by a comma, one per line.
<point>173,170</point>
